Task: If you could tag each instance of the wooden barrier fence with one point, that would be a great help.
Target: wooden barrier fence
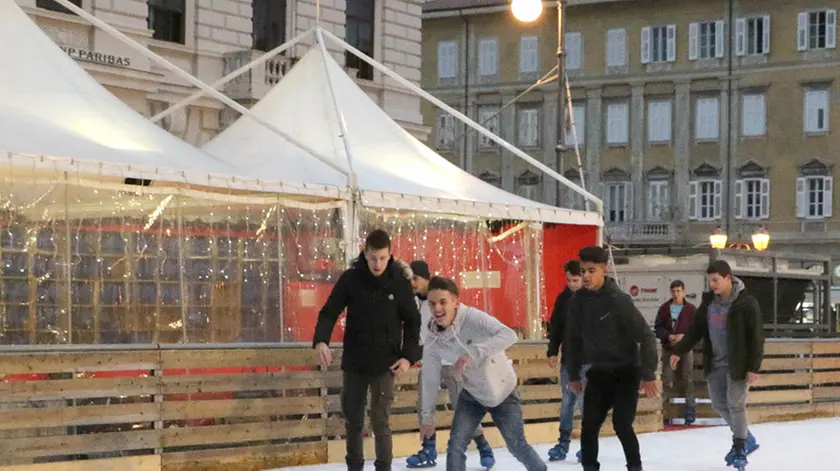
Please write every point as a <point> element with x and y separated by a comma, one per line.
<point>255,407</point>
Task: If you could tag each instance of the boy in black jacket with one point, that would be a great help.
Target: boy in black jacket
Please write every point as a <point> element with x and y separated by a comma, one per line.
<point>381,340</point>
<point>556,334</point>
<point>605,331</point>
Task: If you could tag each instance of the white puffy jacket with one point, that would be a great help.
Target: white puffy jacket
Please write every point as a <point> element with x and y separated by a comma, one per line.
<point>489,378</point>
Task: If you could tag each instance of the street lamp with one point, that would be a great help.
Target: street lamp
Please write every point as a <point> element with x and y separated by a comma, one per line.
<point>718,238</point>
<point>761,239</point>
<point>528,11</point>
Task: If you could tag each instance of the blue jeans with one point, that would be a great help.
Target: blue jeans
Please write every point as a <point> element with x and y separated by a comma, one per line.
<point>571,401</point>
<point>508,419</point>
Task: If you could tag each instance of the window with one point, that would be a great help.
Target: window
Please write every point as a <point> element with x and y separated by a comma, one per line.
<point>528,185</point>
<point>707,124</point>
<point>658,201</point>
<point>489,118</point>
<point>705,40</point>
<point>752,36</point>
<point>529,127</point>
<point>617,120</point>
<point>269,24</point>
<point>166,19</point>
<point>529,54</point>
<point>813,197</point>
<point>573,199</point>
<point>445,131</point>
<point>576,126</point>
<point>659,44</point>
<point>51,5</point>
<point>359,34</point>
<point>816,30</point>
<point>816,111</point>
<point>618,201</point>
<point>704,200</point>
<point>488,57</point>
<point>752,198</point>
<point>491,177</point>
<point>617,47</point>
<point>754,115</point>
<point>574,51</point>
<point>447,59</point>
<point>659,121</point>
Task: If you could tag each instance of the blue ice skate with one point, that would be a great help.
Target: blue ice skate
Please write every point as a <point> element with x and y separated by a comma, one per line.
<point>750,446</point>
<point>426,457</point>
<point>739,457</point>
<point>559,451</point>
<point>485,452</point>
<point>690,415</point>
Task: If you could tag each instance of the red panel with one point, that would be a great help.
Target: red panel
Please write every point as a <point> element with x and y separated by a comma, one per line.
<point>561,243</point>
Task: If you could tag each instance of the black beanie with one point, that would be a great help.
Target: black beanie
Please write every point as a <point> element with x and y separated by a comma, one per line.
<point>421,269</point>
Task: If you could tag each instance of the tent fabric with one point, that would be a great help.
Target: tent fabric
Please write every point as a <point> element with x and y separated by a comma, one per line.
<point>392,167</point>
<point>56,118</point>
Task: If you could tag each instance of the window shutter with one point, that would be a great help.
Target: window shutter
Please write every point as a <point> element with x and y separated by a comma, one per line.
<point>831,29</point>
<point>442,60</point>
<point>802,31</point>
<point>628,201</point>
<point>577,131</point>
<point>672,43</point>
<point>765,198</point>
<point>664,200</point>
<point>652,201</point>
<point>714,120</point>
<point>828,196</point>
<point>693,201</point>
<point>801,197</point>
<point>740,37</point>
<point>494,56</point>
<point>719,39</point>
<point>739,199</point>
<point>616,47</point>
<point>766,33</point>
<point>623,123</point>
<point>718,198</point>
<point>646,45</point>
<point>528,54</point>
<point>574,50</point>
<point>693,41</point>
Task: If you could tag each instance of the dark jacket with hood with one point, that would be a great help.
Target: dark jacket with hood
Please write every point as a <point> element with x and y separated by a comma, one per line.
<point>744,333</point>
<point>382,323</point>
<point>557,325</point>
<point>607,331</point>
<point>666,326</point>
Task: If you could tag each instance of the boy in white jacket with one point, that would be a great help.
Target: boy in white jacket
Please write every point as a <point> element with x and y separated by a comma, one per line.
<point>475,342</point>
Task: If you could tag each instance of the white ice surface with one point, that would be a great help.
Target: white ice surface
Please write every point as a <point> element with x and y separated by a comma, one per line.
<point>809,445</point>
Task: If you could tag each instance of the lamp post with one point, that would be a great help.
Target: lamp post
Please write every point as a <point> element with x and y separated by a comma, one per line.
<point>761,239</point>
<point>718,238</point>
<point>528,11</point>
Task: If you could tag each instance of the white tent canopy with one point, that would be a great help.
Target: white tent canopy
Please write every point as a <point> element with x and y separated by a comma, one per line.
<point>54,116</point>
<point>393,169</point>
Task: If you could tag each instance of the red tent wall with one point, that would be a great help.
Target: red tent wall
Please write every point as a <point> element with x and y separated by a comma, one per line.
<point>561,243</point>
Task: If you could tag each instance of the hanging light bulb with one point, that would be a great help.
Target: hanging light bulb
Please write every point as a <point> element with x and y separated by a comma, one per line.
<point>526,10</point>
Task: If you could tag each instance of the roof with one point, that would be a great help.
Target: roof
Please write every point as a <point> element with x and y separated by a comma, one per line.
<point>393,168</point>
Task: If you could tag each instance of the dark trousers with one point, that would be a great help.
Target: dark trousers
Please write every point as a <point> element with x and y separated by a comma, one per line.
<point>617,390</point>
<point>353,404</point>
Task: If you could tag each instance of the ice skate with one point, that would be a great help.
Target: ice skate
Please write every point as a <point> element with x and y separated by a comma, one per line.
<point>485,452</point>
<point>739,455</point>
<point>689,415</point>
<point>750,446</point>
<point>559,451</point>
<point>426,457</point>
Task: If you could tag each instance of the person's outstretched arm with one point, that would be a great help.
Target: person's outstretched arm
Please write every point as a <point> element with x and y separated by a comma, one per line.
<point>336,303</point>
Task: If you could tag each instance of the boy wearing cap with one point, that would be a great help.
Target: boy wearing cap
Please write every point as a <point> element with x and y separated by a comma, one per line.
<point>427,456</point>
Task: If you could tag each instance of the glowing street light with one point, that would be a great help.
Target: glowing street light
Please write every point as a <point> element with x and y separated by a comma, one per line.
<point>526,10</point>
<point>718,238</point>
<point>761,239</point>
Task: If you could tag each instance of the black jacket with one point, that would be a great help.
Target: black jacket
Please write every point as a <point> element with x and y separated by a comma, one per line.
<point>382,323</point>
<point>606,331</point>
<point>557,324</point>
<point>745,335</point>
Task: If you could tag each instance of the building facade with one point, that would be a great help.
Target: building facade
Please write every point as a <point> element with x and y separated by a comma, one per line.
<point>210,38</point>
<point>687,115</point>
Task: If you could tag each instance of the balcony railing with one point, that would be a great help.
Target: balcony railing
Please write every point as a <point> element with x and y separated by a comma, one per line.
<point>254,84</point>
<point>629,232</point>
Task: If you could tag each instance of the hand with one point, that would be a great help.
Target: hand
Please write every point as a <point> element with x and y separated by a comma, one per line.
<point>679,337</point>
<point>401,366</point>
<point>672,339</point>
<point>462,364</point>
<point>652,388</point>
<point>427,431</point>
<point>576,386</point>
<point>675,360</point>
<point>752,377</point>
<point>554,362</point>
<point>324,354</point>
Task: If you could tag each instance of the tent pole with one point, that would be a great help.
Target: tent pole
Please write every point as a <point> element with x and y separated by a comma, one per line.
<point>469,122</point>
<point>194,81</point>
<point>236,73</point>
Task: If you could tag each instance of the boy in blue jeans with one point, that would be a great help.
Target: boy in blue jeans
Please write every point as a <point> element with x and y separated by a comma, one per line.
<point>557,326</point>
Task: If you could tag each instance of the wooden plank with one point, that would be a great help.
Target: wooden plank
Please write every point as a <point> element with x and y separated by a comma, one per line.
<point>244,358</point>
<point>247,458</point>
<point>787,348</point>
<point>28,418</point>
<point>827,348</point>
<point>827,393</point>
<point>826,377</point>
<point>527,352</point>
<point>770,364</point>
<point>76,362</point>
<point>78,444</point>
<point>241,433</point>
<point>827,363</point>
<point>79,388</point>
<point>276,381</point>
<point>533,392</point>
<point>777,397</point>
<point>130,463</point>
<point>783,379</point>
<point>182,410</point>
